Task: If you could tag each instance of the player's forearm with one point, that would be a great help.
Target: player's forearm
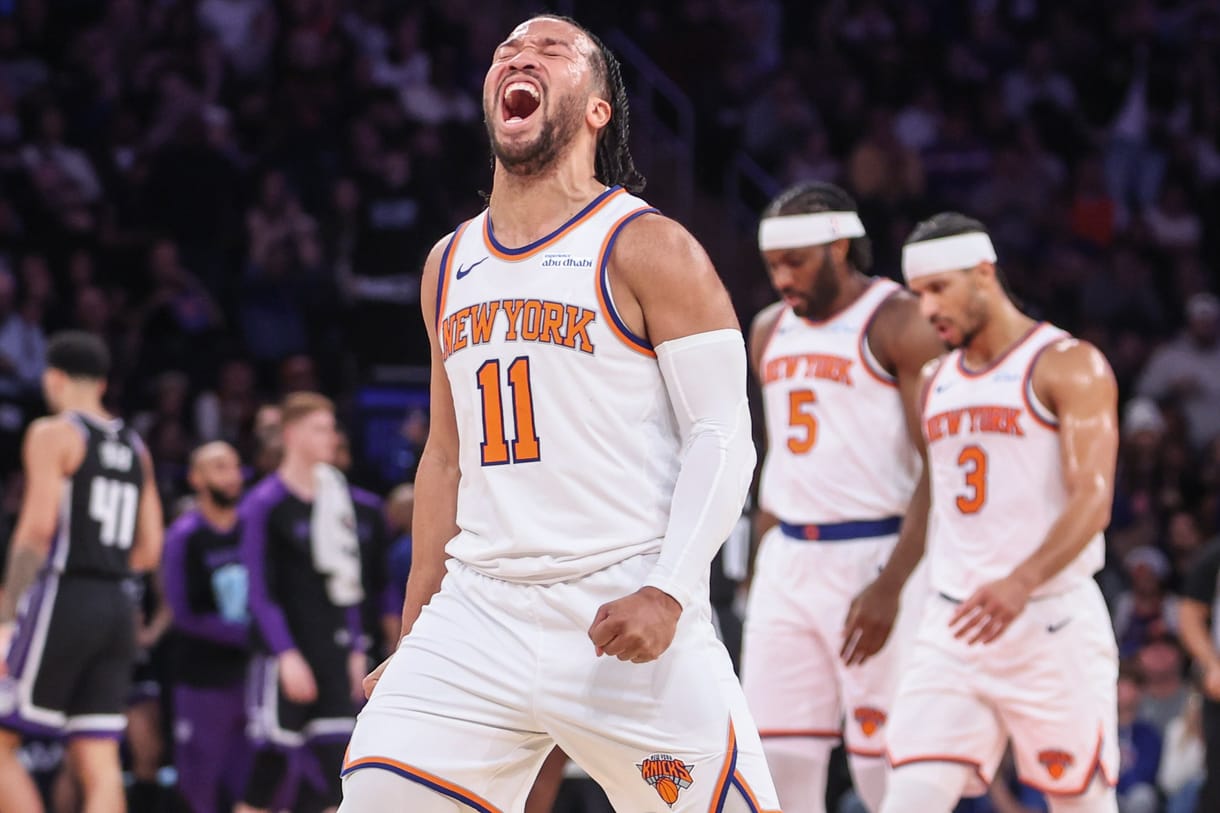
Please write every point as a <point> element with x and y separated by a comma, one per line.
<point>1192,627</point>
<point>1086,515</point>
<point>912,539</point>
<point>705,375</point>
<point>433,525</point>
<point>24,562</point>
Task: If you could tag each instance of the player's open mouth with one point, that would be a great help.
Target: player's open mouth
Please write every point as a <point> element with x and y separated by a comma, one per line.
<point>519,101</point>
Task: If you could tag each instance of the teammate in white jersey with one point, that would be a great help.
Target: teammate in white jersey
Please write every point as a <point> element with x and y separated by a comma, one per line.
<point>1015,643</point>
<point>590,450</point>
<point>838,360</point>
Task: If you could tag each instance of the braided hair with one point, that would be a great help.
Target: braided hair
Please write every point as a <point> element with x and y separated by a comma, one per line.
<point>613,164</point>
<point>818,196</point>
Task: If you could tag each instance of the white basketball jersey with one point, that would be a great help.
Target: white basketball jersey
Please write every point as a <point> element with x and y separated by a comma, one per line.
<point>569,448</point>
<point>997,479</point>
<point>837,443</point>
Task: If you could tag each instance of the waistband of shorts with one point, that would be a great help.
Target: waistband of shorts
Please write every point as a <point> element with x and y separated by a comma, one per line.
<point>842,531</point>
<point>1042,597</point>
<point>93,575</point>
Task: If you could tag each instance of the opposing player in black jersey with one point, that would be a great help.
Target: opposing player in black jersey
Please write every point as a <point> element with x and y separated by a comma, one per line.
<point>300,546</point>
<point>89,518</point>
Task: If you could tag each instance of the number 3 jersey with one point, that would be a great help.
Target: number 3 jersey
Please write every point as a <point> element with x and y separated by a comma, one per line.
<point>569,449</point>
<point>997,475</point>
<point>838,448</point>
<point>101,501</point>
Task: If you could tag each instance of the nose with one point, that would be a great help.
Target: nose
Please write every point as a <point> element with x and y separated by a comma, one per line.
<point>526,59</point>
<point>781,275</point>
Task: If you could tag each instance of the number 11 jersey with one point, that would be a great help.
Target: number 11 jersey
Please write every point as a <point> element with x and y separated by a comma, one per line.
<point>569,449</point>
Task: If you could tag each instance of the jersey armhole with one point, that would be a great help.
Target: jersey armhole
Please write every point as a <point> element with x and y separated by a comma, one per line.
<point>442,277</point>
<point>1040,412</point>
<point>605,298</point>
<point>867,357</point>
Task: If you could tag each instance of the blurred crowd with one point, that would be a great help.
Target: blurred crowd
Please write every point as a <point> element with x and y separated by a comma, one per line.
<point>238,194</point>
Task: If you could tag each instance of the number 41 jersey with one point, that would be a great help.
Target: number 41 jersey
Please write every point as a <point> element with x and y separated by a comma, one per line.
<point>101,501</point>
<point>569,449</point>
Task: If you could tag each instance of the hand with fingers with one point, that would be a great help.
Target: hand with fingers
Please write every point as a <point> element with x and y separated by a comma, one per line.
<point>636,628</point>
<point>985,615</point>
<point>870,620</point>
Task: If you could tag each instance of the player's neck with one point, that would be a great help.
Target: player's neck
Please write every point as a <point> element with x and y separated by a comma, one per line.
<point>525,208</point>
<point>1005,328</point>
<point>297,474</point>
<point>222,519</point>
<point>85,403</point>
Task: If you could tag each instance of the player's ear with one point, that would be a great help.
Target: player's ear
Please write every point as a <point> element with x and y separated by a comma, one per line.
<point>839,249</point>
<point>985,271</point>
<point>598,112</point>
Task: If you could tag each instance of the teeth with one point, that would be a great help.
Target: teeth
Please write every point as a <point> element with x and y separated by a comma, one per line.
<point>526,86</point>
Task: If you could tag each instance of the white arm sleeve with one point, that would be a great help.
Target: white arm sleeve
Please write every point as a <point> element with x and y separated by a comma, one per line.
<point>705,375</point>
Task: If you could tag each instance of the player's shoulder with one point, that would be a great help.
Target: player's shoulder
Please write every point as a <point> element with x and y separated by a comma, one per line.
<point>764,322</point>
<point>1069,356</point>
<point>656,243</point>
<point>263,496</point>
<point>55,432</point>
<point>184,526</point>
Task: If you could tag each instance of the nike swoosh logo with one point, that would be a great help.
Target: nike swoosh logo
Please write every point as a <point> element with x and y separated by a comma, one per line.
<point>461,272</point>
<point>1052,628</point>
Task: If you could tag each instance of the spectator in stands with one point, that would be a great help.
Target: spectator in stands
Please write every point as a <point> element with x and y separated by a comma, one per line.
<point>1162,664</point>
<point>1200,628</point>
<point>1144,612</point>
<point>1182,759</point>
<point>1188,370</point>
<point>1139,746</point>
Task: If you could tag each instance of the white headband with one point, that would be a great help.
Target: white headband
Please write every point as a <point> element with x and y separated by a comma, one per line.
<point>798,231</point>
<point>951,253</point>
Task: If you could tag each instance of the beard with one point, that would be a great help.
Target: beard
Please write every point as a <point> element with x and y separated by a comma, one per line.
<point>535,157</point>
<point>222,498</point>
<point>825,290</point>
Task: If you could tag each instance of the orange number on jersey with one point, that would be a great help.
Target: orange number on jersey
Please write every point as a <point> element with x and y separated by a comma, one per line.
<point>976,479</point>
<point>525,448</point>
<point>802,421</point>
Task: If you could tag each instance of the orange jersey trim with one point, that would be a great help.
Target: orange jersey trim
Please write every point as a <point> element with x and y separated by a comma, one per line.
<point>514,254</point>
<point>860,752</point>
<point>721,791</point>
<point>604,299</point>
<point>442,283</point>
<point>1027,391</point>
<point>867,357</point>
<point>776,733</point>
<point>978,766</point>
<point>458,794</point>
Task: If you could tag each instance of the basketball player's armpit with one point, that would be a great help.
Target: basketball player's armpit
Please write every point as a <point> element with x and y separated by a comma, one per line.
<point>705,375</point>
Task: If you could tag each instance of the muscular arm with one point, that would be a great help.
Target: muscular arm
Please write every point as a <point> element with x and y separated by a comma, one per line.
<point>907,347</point>
<point>906,343</point>
<point>676,299</point>
<point>150,523</point>
<point>52,449</point>
<point>436,481</point>
<point>1075,381</point>
<point>761,330</point>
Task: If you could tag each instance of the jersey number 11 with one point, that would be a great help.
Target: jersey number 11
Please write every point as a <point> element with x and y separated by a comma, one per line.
<point>495,447</point>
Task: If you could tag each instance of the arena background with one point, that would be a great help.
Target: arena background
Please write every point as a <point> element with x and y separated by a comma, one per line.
<point>238,194</point>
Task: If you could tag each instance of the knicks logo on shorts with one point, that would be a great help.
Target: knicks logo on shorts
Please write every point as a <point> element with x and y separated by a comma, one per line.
<point>869,719</point>
<point>667,774</point>
<point>1056,762</point>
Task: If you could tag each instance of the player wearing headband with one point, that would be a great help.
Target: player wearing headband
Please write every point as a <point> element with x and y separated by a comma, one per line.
<point>838,360</point>
<point>1021,435</point>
